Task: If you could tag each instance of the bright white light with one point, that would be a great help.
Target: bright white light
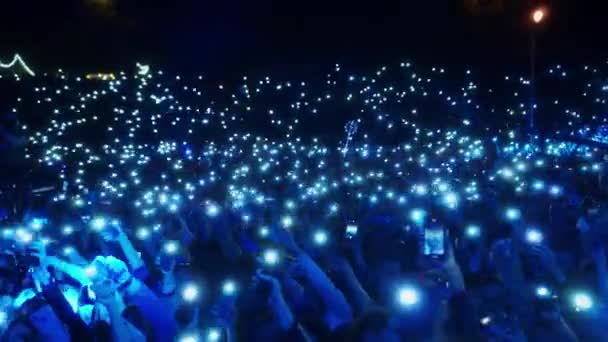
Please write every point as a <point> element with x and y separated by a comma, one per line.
<point>24,236</point>
<point>542,291</point>
<point>582,301</point>
<point>18,59</point>
<point>90,271</point>
<point>417,215</point>
<point>420,189</point>
<point>228,288</point>
<point>37,224</point>
<point>143,69</point>
<point>473,231</point>
<point>451,200</point>
<point>320,237</point>
<point>142,233</point>
<point>289,204</point>
<point>507,173</point>
<point>213,335</point>
<point>190,293</point>
<point>271,257</point>
<point>555,190</point>
<point>538,185</point>
<point>408,296</point>
<point>286,221</point>
<point>212,210</point>
<point>189,338</point>
<point>264,232</point>
<point>98,223</point>
<point>351,230</point>
<point>67,230</point>
<point>171,247</point>
<point>538,15</point>
<point>513,214</point>
<point>534,235</point>
<point>3,318</point>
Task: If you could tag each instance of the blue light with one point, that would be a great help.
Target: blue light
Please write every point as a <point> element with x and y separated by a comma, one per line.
<point>473,231</point>
<point>212,210</point>
<point>408,296</point>
<point>513,214</point>
<point>264,232</point>
<point>555,190</point>
<point>420,190</point>
<point>4,319</point>
<point>582,301</point>
<point>320,237</point>
<point>229,288</point>
<point>450,200</point>
<point>418,216</point>
<point>534,236</point>
<point>190,293</point>
<point>98,223</point>
<point>190,338</point>
<point>286,221</point>
<point>543,292</point>
<point>538,185</point>
<point>213,335</point>
<point>171,247</point>
<point>37,223</point>
<point>271,257</point>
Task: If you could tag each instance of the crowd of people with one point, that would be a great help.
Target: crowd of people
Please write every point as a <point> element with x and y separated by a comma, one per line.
<point>408,203</point>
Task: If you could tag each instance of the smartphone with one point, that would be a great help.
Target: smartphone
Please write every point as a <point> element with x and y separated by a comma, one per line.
<point>351,231</point>
<point>434,241</point>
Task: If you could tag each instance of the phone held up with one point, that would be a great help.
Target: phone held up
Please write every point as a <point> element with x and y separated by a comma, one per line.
<point>433,240</point>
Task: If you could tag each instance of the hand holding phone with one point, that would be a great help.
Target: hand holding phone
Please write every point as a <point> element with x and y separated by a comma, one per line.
<point>351,231</point>
<point>434,241</point>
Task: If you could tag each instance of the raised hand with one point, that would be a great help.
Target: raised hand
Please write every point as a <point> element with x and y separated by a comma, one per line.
<point>38,249</point>
<point>284,238</point>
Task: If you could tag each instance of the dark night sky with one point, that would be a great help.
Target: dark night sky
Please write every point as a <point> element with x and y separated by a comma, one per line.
<point>236,35</point>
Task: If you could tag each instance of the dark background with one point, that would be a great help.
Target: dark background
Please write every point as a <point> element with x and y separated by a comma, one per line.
<point>234,36</point>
